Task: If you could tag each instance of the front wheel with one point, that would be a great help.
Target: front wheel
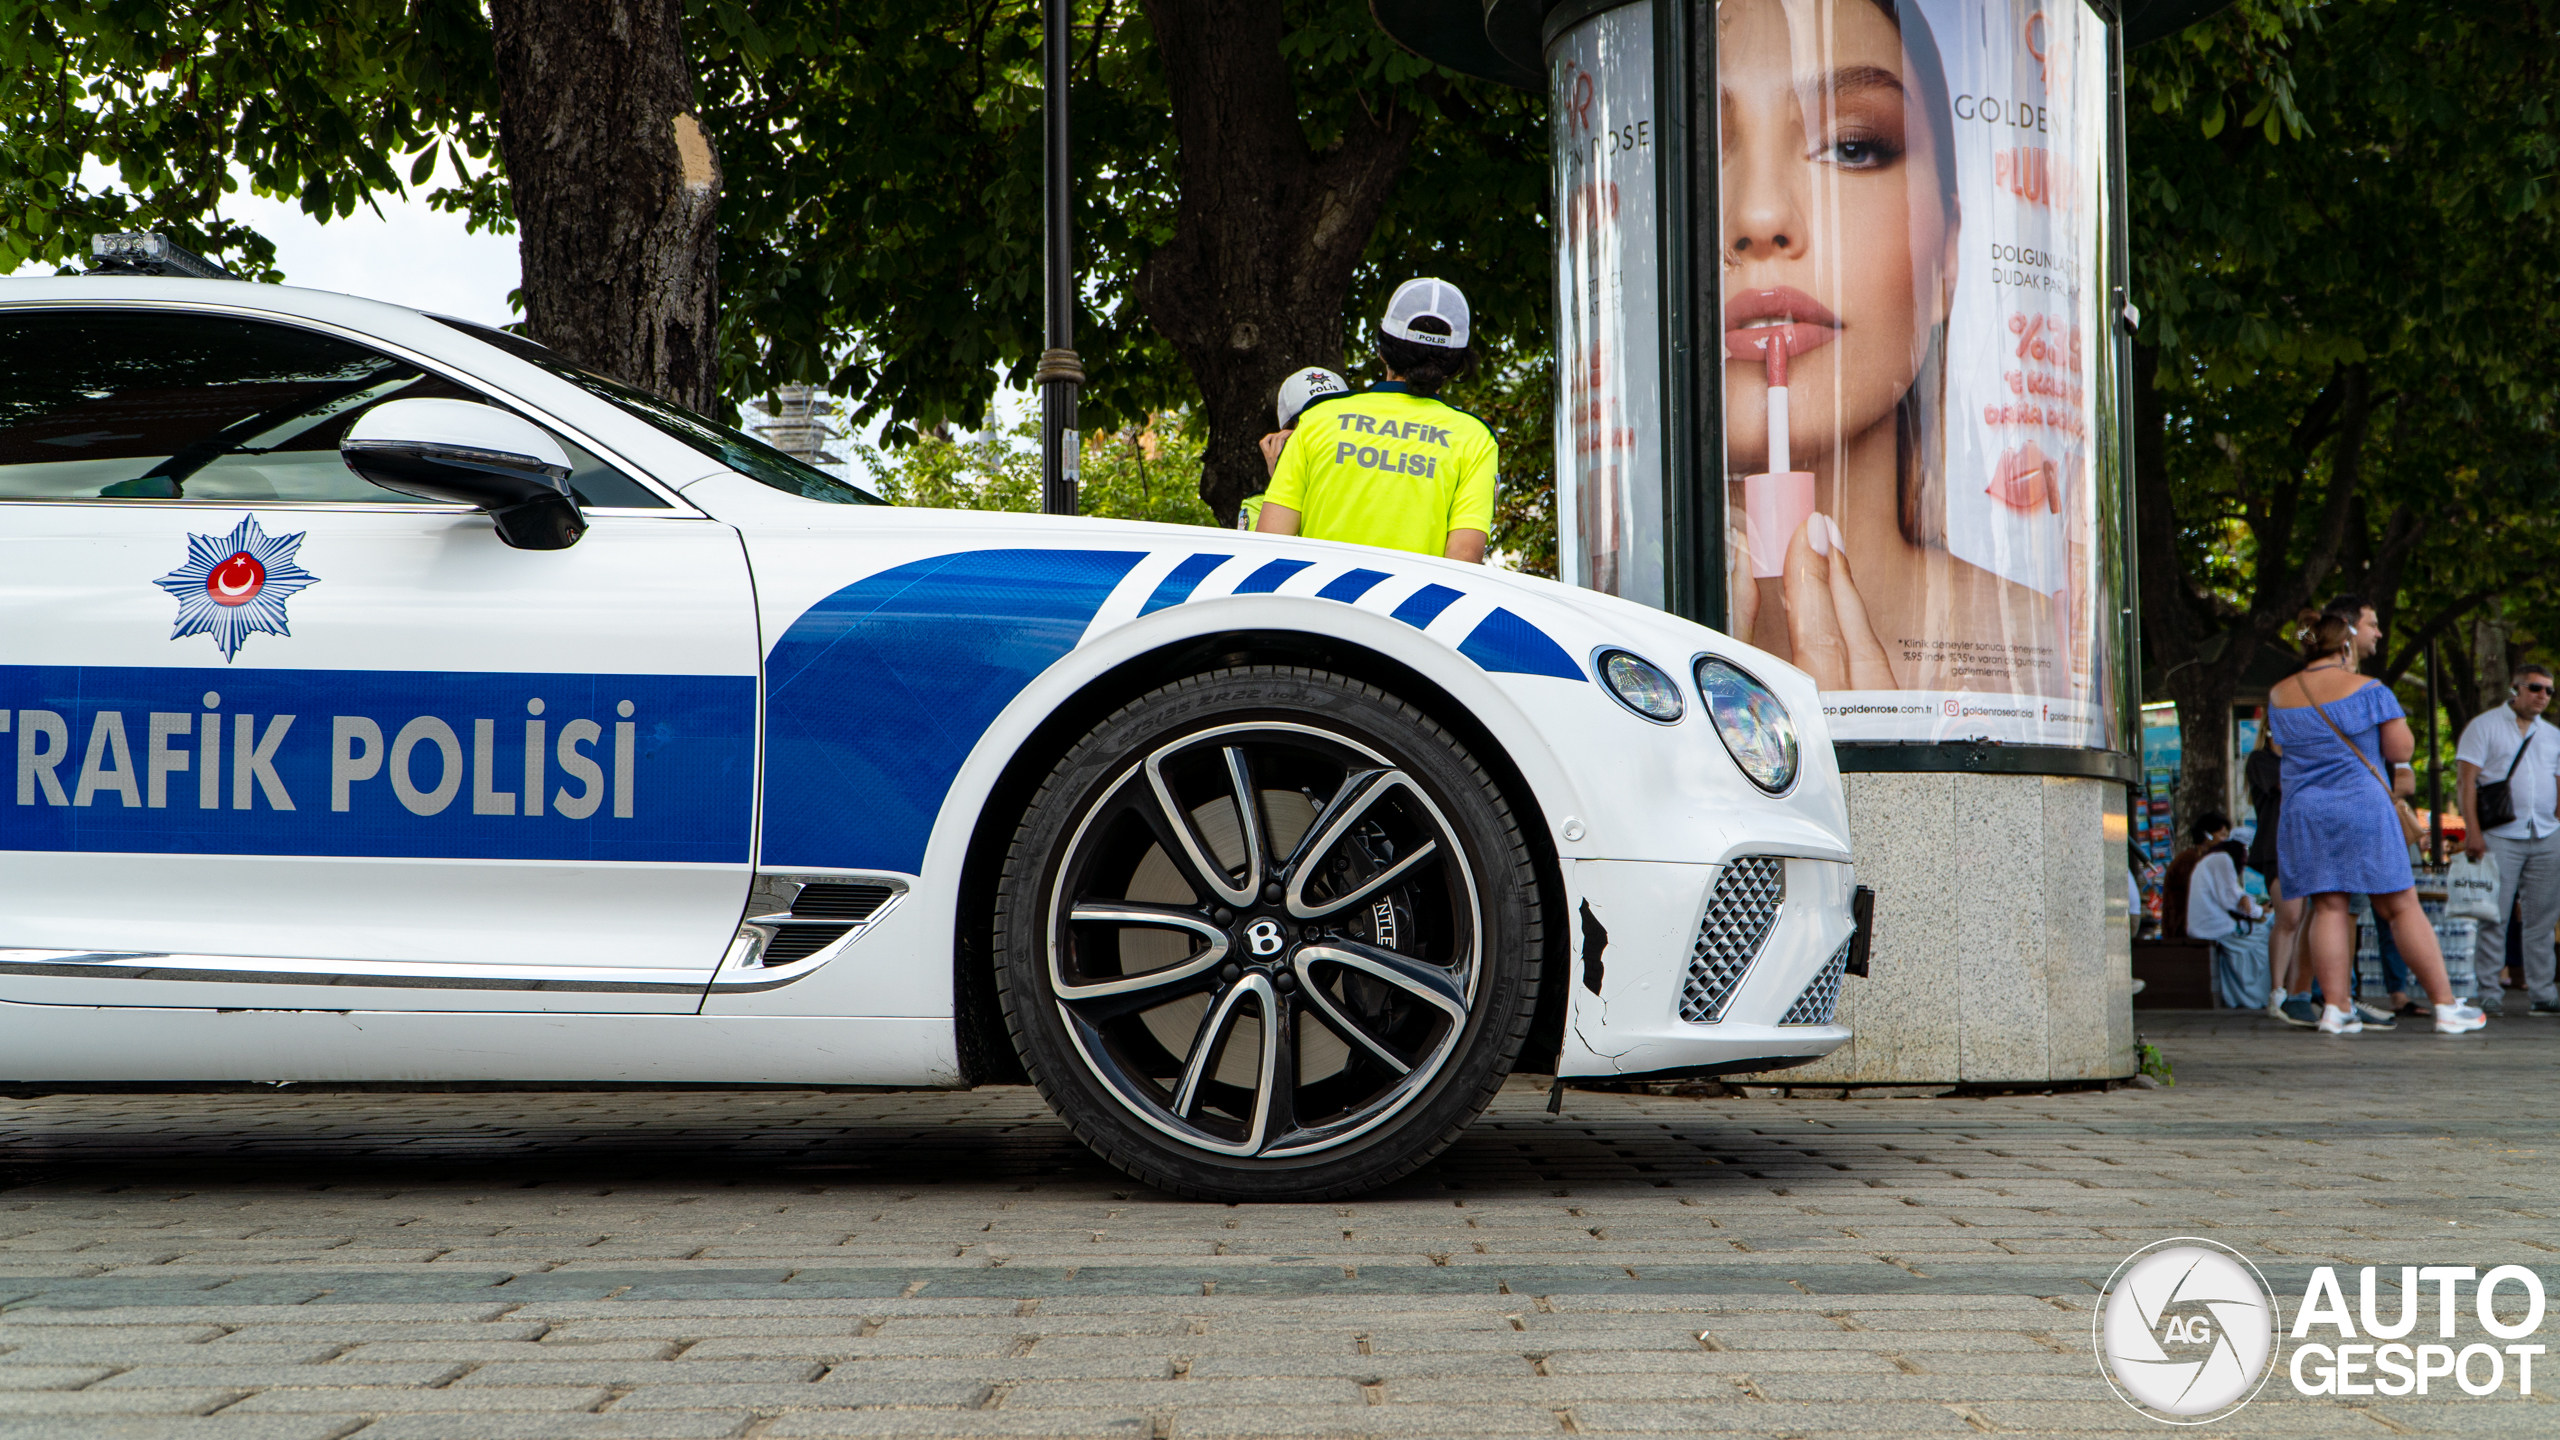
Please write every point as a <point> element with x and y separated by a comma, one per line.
<point>1268,934</point>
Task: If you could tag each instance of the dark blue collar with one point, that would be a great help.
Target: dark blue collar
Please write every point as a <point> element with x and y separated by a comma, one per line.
<point>1393,387</point>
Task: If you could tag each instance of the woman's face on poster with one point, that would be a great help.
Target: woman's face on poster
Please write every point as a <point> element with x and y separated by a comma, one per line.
<point>1836,236</point>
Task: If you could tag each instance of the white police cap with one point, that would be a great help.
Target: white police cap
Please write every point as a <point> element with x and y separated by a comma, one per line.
<point>1427,299</point>
<point>1307,385</point>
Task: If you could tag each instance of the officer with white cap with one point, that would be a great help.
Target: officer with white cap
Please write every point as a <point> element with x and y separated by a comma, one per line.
<point>1393,466</point>
<point>1310,386</point>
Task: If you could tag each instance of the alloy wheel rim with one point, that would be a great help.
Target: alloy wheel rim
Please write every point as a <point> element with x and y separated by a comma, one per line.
<point>1264,939</point>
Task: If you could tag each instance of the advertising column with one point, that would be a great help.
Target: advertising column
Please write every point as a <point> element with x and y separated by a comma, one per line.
<point>1916,324</point>
<point>1609,500</point>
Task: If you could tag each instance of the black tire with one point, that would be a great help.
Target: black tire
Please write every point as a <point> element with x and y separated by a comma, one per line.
<point>1377,927</point>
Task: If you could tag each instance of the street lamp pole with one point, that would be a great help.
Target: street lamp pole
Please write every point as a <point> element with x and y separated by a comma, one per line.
<point>1060,373</point>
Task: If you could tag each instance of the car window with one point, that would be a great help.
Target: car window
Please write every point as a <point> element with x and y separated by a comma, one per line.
<point>740,452</point>
<point>144,405</point>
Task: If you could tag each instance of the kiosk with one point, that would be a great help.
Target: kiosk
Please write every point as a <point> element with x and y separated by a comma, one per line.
<point>1842,337</point>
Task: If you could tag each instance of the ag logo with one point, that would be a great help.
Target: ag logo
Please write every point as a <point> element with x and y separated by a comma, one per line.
<point>1263,937</point>
<point>2186,1331</point>
<point>235,585</point>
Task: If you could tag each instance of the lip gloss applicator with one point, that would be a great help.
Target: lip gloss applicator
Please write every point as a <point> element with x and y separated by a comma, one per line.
<point>1777,501</point>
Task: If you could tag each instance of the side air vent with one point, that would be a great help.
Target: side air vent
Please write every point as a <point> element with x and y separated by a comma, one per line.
<point>839,902</point>
<point>793,917</point>
<point>1821,999</point>
<point>1739,915</point>
<point>798,942</point>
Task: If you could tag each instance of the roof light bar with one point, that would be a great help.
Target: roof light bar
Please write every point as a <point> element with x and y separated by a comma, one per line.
<point>148,253</point>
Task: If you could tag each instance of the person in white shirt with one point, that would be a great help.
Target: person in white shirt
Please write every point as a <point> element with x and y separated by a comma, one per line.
<point>2514,744</point>
<point>2219,911</point>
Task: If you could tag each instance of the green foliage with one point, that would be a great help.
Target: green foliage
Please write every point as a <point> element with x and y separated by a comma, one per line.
<point>328,103</point>
<point>2367,216</point>
<point>880,224</point>
<point>1518,401</point>
<point>881,227</point>
<point>2153,1063</point>
<point>1136,472</point>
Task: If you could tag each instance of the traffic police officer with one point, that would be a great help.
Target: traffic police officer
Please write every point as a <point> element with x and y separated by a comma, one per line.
<point>1311,386</point>
<point>1392,466</point>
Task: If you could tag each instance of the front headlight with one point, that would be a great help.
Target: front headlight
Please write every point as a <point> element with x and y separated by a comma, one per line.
<point>1753,722</point>
<point>1640,687</point>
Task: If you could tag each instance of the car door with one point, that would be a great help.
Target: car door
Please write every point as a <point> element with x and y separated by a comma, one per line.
<point>279,738</point>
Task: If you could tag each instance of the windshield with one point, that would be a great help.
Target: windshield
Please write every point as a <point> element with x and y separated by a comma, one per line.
<point>743,453</point>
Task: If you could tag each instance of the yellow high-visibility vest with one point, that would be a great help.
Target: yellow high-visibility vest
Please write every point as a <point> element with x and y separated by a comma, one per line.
<point>1390,468</point>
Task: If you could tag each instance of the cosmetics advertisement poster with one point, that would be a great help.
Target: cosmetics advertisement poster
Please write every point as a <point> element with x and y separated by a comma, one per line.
<point>1914,216</point>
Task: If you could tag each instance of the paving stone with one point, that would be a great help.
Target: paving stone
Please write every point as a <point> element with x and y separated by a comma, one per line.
<point>1263,1392</point>
<point>254,1376</point>
<point>14,1336</point>
<point>1867,1266</point>
<point>1381,1420</point>
<point>457,1349</point>
<point>642,1372</point>
<point>1772,1418</point>
<point>110,1347</point>
<point>53,1377</point>
<point>203,1427</point>
<point>653,1425</point>
<point>115,1402</point>
<point>360,1399</point>
<point>961,1425</point>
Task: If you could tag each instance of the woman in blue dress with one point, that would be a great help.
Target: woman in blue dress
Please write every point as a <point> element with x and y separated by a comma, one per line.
<point>2339,734</point>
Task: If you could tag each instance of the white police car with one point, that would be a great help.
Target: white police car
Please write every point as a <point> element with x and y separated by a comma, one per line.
<point>386,700</point>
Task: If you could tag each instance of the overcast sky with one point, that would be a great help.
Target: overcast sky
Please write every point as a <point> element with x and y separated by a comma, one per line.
<point>411,256</point>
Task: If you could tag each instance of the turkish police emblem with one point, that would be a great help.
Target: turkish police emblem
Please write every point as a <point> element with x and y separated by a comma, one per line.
<point>234,586</point>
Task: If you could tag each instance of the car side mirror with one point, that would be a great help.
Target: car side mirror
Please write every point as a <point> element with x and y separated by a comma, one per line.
<point>471,454</point>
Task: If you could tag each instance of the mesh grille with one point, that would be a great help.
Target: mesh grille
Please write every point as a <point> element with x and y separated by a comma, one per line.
<point>1821,998</point>
<point>1739,914</point>
<point>839,902</point>
<point>799,942</point>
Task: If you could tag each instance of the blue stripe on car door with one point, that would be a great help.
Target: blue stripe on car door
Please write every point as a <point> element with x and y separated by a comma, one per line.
<point>877,694</point>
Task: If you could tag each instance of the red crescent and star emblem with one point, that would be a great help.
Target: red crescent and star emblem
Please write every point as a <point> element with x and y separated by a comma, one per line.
<point>235,586</point>
<point>236,581</point>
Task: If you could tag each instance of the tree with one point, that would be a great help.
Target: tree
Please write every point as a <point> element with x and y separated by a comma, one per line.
<point>1246,174</point>
<point>615,188</point>
<point>2328,317</point>
<point>1243,174</point>
<point>589,101</point>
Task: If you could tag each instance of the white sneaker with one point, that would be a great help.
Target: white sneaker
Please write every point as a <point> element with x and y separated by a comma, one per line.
<point>2459,1018</point>
<point>2275,1004</point>
<point>2334,1021</point>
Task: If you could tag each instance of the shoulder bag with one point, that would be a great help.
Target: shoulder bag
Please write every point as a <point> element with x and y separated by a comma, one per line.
<point>2494,800</point>
<point>2410,830</point>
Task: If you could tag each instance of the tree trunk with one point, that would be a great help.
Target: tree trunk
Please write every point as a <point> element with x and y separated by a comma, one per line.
<point>1252,284</point>
<point>615,189</point>
<point>2489,659</point>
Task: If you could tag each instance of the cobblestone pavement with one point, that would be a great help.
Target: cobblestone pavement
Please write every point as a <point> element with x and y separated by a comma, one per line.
<point>307,1266</point>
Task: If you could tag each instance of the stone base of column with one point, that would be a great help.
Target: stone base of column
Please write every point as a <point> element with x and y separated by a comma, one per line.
<point>2002,951</point>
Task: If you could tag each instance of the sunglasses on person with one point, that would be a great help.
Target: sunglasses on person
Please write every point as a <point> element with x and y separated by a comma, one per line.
<point>2537,688</point>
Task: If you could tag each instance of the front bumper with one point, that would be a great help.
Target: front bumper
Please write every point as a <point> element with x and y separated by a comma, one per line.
<point>1636,933</point>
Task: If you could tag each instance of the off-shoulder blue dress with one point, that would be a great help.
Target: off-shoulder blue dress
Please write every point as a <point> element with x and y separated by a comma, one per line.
<point>2338,830</point>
